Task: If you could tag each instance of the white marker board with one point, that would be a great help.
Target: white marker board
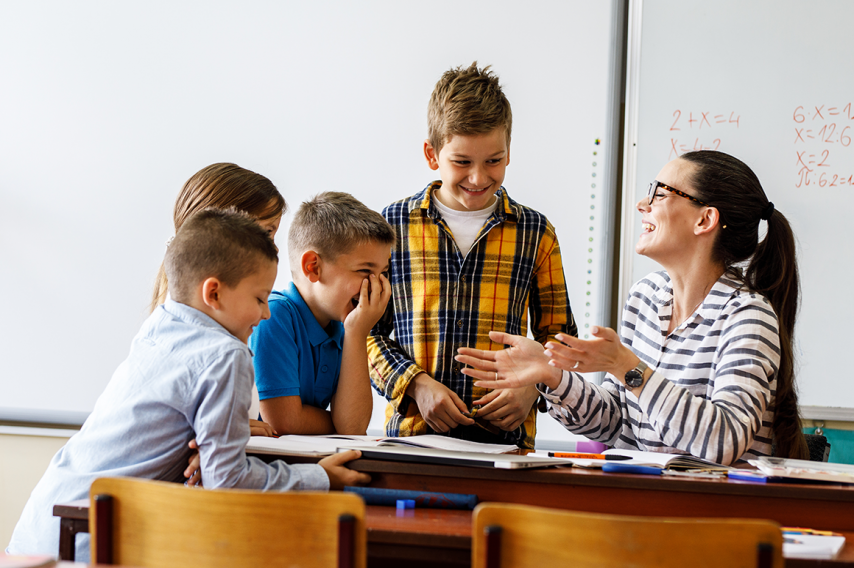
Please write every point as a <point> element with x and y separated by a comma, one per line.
<point>769,82</point>
<point>109,107</point>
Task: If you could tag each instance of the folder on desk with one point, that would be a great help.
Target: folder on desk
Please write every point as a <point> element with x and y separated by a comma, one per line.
<point>449,457</point>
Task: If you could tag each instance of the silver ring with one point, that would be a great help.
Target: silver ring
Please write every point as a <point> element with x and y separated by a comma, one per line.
<point>496,375</point>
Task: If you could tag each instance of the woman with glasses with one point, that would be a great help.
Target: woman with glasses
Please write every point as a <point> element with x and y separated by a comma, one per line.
<point>704,361</point>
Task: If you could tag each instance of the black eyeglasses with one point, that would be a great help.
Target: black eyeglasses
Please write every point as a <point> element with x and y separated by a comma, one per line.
<point>655,184</point>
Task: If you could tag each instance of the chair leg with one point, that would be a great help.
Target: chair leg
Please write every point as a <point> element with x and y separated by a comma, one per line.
<point>346,541</point>
<point>764,555</point>
<point>493,546</point>
<point>104,529</point>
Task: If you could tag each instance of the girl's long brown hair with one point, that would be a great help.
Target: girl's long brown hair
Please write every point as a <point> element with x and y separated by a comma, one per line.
<point>221,186</point>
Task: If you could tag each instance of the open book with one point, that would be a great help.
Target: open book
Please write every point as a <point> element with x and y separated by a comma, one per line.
<point>677,462</point>
<point>327,445</point>
<point>804,469</point>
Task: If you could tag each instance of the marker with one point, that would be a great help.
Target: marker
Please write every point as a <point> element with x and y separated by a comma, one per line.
<point>797,530</point>
<point>587,456</point>
<point>628,468</point>
<point>755,477</point>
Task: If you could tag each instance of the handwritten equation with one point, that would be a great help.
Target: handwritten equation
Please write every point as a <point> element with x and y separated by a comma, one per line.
<point>699,130</point>
<point>822,138</point>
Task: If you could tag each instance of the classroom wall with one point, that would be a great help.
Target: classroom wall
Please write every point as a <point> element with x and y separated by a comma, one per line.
<point>23,460</point>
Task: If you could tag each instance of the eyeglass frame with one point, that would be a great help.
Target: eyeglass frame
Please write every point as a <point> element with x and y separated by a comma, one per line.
<point>655,184</point>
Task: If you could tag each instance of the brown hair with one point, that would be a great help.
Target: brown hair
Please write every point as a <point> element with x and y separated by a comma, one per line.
<point>730,186</point>
<point>225,244</point>
<point>222,185</point>
<point>332,223</point>
<point>467,101</point>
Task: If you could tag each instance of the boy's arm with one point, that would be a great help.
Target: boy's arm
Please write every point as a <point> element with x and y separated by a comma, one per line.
<point>288,415</point>
<point>353,413</point>
<point>550,312</point>
<point>390,366</point>
<point>218,402</point>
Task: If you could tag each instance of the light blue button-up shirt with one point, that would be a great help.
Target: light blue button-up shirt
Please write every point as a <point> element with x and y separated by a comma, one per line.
<point>186,377</point>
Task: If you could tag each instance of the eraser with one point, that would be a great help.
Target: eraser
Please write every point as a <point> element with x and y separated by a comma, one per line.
<point>406,503</point>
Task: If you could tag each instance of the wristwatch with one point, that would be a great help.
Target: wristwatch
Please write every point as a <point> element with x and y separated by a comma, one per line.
<point>634,378</point>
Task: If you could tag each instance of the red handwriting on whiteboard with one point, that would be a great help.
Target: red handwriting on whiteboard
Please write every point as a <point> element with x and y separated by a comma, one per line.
<point>822,139</point>
<point>699,130</point>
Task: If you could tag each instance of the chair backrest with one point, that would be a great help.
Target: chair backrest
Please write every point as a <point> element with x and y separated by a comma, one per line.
<point>156,524</point>
<point>520,535</point>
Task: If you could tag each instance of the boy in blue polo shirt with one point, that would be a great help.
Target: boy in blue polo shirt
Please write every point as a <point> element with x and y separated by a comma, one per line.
<point>312,353</point>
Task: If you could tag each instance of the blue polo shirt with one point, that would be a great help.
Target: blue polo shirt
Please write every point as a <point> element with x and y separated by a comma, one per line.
<point>293,354</point>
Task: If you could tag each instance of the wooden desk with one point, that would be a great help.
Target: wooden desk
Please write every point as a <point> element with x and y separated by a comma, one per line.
<point>445,536</point>
<point>829,507</point>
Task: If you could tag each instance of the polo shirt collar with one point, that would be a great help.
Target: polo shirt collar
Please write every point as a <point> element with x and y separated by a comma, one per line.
<point>316,334</point>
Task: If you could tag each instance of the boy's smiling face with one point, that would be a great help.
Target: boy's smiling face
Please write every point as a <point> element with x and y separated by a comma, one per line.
<point>338,283</point>
<point>243,307</point>
<point>472,168</point>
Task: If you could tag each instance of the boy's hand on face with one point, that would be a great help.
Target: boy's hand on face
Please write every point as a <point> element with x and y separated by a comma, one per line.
<point>373,299</point>
<point>440,407</point>
<point>507,408</point>
<point>340,475</point>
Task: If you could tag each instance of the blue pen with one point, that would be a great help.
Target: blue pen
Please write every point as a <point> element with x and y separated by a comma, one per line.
<point>747,476</point>
<point>611,467</point>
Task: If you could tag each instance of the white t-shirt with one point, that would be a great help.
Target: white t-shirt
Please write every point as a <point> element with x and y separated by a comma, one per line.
<point>465,225</point>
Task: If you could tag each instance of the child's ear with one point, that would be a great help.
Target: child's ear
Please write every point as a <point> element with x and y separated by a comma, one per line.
<point>211,289</point>
<point>431,155</point>
<point>310,265</point>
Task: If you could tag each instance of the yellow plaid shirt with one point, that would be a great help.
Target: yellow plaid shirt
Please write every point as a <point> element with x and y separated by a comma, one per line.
<point>443,300</point>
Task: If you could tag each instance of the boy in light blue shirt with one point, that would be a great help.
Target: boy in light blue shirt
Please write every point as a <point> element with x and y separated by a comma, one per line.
<point>188,375</point>
<point>312,352</point>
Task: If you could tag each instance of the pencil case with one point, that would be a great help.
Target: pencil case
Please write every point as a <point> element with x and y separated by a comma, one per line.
<point>389,497</point>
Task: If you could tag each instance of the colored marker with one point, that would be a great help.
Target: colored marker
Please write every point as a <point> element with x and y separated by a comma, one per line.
<point>628,468</point>
<point>587,456</point>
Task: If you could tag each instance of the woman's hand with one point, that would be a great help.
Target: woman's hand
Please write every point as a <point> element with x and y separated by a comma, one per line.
<point>604,353</point>
<point>522,364</point>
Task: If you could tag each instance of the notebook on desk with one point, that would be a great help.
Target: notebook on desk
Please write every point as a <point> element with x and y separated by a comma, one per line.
<point>449,457</point>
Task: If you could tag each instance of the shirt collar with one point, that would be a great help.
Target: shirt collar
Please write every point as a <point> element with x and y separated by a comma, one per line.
<point>193,316</point>
<point>728,285</point>
<point>316,334</point>
<point>424,201</point>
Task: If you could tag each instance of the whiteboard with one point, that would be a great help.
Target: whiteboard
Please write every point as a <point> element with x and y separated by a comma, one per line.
<point>109,107</point>
<point>769,82</point>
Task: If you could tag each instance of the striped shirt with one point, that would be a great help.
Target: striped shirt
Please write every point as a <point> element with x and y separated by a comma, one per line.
<point>443,299</point>
<point>711,393</point>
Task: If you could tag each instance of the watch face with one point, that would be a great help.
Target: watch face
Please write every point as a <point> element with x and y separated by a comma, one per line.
<point>634,378</point>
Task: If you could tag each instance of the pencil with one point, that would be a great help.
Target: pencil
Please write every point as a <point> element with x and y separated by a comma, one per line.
<point>587,456</point>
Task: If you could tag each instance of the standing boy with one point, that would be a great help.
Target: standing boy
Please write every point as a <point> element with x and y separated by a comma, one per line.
<point>311,352</point>
<point>188,375</point>
<point>468,260</point>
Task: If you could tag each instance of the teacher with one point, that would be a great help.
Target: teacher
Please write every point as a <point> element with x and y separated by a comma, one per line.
<point>704,362</point>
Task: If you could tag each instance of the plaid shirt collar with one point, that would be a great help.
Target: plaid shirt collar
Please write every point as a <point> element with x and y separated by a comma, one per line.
<point>424,202</point>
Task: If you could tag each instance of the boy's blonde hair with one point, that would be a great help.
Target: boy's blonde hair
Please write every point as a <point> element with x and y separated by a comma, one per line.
<point>467,101</point>
<point>332,223</point>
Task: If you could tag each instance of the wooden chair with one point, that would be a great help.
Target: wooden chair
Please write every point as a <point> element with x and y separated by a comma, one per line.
<point>520,535</point>
<point>156,524</point>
